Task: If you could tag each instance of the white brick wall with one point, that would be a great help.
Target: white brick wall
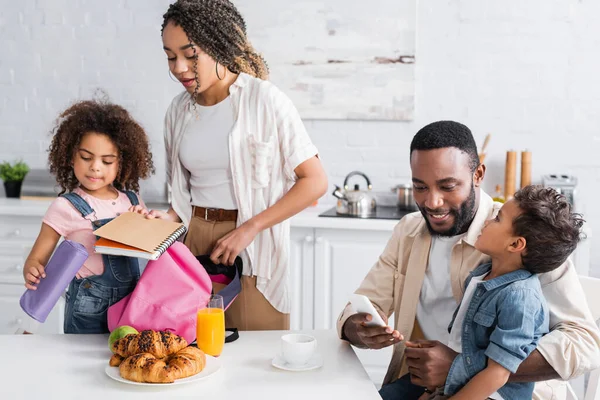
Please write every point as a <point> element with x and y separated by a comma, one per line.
<point>525,71</point>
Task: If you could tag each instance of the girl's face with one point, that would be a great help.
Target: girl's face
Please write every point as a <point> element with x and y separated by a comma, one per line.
<point>96,163</point>
<point>180,55</point>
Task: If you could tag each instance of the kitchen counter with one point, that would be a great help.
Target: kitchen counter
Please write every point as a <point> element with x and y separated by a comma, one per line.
<point>308,218</point>
<point>73,366</point>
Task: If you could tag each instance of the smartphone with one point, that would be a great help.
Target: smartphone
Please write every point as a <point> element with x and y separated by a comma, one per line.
<point>362,304</point>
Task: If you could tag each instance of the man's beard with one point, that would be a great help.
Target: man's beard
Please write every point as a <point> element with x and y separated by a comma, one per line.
<point>462,217</point>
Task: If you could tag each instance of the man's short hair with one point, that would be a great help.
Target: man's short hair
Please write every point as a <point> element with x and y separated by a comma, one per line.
<point>551,230</point>
<point>442,134</point>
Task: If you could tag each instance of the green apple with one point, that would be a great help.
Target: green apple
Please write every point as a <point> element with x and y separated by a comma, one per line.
<point>119,333</point>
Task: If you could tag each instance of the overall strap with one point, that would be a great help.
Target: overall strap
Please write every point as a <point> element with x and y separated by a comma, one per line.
<point>132,197</point>
<point>79,203</point>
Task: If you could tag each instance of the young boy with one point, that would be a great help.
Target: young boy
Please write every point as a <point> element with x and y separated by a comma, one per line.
<point>503,313</point>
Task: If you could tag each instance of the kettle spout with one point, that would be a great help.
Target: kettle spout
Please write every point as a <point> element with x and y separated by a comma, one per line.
<point>338,193</point>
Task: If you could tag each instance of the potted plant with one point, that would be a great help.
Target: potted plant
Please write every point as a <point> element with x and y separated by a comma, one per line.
<point>13,175</point>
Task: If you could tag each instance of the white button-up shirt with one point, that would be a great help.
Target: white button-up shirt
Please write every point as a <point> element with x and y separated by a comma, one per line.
<point>268,141</point>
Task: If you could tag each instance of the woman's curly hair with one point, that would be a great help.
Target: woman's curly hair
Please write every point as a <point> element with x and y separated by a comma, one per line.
<point>101,116</point>
<point>220,31</point>
<point>549,227</point>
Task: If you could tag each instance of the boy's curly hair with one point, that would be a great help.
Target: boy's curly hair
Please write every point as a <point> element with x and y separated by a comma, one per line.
<point>101,116</point>
<point>551,230</point>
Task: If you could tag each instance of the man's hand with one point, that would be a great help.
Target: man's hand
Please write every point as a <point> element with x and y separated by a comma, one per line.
<point>429,362</point>
<point>372,337</point>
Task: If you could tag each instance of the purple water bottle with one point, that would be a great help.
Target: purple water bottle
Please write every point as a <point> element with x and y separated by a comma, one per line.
<point>60,270</point>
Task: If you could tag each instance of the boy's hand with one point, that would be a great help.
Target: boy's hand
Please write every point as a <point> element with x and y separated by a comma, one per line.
<point>33,271</point>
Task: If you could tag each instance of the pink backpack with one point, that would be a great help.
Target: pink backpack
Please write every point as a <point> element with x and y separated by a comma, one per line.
<point>171,290</point>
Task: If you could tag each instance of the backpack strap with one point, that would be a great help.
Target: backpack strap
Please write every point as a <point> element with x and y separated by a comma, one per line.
<point>79,203</point>
<point>133,198</point>
<point>234,272</point>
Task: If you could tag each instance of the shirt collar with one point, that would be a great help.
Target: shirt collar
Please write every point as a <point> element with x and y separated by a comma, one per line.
<point>484,212</point>
<point>502,280</point>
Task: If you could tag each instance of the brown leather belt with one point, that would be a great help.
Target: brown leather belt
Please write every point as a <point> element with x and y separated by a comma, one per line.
<point>215,214</point>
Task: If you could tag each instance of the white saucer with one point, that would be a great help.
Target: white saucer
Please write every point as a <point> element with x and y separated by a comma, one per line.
<point>212,365</point>
<point>315,362</point>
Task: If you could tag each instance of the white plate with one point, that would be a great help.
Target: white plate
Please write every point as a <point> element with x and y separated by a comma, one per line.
<point>315,362</point>
<point>212,365</point>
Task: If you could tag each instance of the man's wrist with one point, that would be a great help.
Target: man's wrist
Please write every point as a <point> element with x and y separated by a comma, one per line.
<point>352,337</point>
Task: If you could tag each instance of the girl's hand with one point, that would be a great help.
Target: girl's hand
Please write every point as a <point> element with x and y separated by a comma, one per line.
<point>151,214</point>
<point>231,245</point>
<point>33,271</point>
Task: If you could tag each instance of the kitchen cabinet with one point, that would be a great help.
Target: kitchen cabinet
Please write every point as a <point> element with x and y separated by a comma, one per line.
<point>327,266</point>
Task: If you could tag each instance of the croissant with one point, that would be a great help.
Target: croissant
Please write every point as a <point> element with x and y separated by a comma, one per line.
<point>186,362</point>
<point>144,367</point>
<point>159,344</point>
<point>115,360</point>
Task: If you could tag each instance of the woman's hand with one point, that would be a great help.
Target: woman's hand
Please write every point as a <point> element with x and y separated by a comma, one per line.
<point>151,214</point>
<point>33,271</point>
<point>231,245</point>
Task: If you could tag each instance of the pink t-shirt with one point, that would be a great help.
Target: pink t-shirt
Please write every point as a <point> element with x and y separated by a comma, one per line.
<point>64,218</point>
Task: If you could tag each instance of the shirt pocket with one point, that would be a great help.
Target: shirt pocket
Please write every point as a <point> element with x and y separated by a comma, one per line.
<point>262,159</point>
<point>483,323</point>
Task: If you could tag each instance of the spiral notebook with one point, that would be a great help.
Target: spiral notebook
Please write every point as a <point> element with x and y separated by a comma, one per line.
<point>133,235</point>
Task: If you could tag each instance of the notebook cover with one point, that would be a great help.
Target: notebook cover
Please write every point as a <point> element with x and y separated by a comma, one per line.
<point>136,230</point>
<point>103,242</point>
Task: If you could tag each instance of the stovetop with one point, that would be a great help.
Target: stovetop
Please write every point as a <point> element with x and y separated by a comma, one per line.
<point>380,213</point>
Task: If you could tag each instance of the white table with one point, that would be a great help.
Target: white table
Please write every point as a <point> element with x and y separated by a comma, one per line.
<point>72,366</point>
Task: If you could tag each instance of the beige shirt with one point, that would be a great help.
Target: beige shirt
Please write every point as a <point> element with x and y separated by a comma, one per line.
<point>266,144</point>
<point>393,284</point>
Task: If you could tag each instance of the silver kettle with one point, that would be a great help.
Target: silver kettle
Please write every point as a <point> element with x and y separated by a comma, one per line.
<point>357,202</point>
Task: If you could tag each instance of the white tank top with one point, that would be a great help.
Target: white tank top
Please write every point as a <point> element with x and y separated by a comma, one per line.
<point>204,152</point>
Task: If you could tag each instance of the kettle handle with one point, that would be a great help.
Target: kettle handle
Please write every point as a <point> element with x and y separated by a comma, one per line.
<point>354,173</point>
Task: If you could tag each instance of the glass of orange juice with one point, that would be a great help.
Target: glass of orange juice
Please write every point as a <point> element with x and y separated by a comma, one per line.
<point>210,327</point>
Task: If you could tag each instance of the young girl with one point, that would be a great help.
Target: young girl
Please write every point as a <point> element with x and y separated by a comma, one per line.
<point>239,160</point>
<point>98,154</point>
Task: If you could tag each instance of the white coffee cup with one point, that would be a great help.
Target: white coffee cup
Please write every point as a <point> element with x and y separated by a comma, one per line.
<point>297,348</point>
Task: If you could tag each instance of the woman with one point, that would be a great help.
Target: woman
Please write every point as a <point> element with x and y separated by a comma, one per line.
<point>239,160</point>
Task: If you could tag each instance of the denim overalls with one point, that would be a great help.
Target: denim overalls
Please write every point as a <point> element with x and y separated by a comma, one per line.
<point>88,299</point>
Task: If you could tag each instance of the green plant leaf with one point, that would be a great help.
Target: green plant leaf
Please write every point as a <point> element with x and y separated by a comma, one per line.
<point>13,172</point>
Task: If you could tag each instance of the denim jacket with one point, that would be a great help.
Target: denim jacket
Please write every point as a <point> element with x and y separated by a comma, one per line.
<point>506,318</point>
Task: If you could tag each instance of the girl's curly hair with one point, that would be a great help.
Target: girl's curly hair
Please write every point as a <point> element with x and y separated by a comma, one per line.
<point>220,31</point>
<point>101,116</point>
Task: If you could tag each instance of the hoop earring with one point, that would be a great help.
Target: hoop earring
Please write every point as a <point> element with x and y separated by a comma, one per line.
<point>172,77</point>
<point>217,70</point>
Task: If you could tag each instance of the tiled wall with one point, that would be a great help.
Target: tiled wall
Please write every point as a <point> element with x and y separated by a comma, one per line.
<point>525,71</point>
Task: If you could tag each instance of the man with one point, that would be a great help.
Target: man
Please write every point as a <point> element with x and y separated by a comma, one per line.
<point>420,275</point>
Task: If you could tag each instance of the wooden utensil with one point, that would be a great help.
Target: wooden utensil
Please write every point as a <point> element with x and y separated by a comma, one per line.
<point>510,175</point>
<point>525,168</point>
<point>482,153</point>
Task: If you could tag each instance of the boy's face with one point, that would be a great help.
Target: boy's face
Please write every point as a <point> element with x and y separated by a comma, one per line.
<point>498,235</point>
